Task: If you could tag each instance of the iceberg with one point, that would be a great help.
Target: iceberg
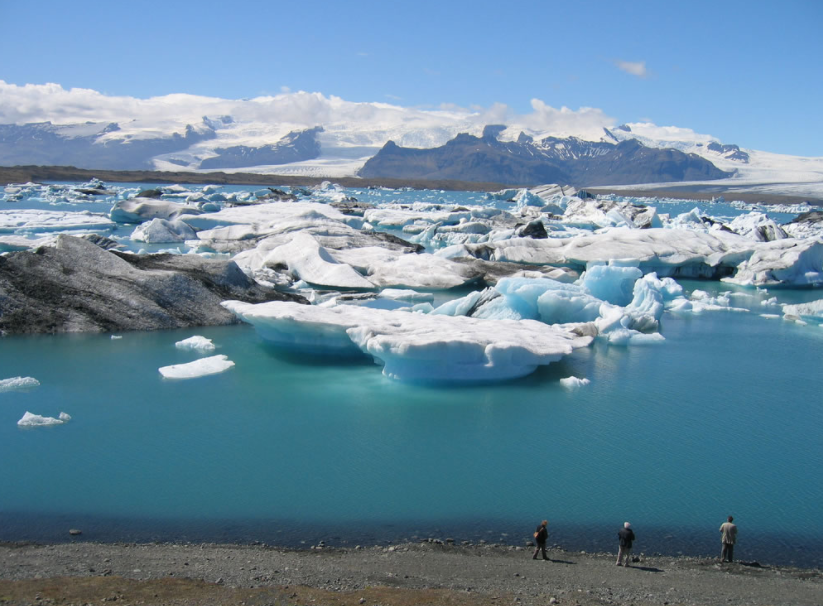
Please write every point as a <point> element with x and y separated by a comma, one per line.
<point>413,346</point>
<point>787,262</point>
<point>18,384</point>
<point>312,263</point>
<point>39,221</point>
<point>813,310</point>
<point>196,343</point>
<point>162,231</point>
<point>33,420</point>
<point>198,368</point>
<point>574,382</point>
<point>140,210</point>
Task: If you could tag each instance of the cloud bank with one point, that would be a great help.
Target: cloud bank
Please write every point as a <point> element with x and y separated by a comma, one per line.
<point>287,111</point>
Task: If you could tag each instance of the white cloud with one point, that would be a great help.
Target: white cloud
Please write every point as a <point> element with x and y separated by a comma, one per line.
<point>263,118</point>
<point>637,68</point>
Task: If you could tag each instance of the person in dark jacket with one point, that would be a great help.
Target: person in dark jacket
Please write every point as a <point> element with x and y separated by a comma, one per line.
<point>626,536</point>
<point>541,535</point>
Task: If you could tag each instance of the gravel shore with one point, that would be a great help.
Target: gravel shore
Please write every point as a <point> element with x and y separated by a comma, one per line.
<point>425,573</point>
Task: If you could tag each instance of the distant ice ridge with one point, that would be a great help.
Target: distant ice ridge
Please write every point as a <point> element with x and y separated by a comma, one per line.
<point>198,368</point>
<point>18,384</point>
<point>414,346</point>
<point>196,343</point>
<point>33,420</point>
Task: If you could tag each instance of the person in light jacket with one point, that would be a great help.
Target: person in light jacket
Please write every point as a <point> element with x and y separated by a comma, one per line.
<point>728,536</point>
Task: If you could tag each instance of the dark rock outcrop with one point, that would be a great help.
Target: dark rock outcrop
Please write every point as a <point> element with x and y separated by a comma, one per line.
<point>77,286</point>
<point>526,162</point>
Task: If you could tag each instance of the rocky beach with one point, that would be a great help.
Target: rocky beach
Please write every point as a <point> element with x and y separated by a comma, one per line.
<point>421,573</point>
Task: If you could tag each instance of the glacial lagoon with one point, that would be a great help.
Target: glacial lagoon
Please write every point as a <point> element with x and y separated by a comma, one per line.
<point>722,417</point>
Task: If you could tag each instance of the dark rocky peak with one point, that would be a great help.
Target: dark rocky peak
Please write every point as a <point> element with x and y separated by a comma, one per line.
<point>493,131</point>
<point>732,152</point>
<point>525,139</point>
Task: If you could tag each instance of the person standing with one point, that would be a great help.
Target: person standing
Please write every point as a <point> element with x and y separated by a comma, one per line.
<point>626,536</point>
<point>728,537</point>
<point>541,535</point>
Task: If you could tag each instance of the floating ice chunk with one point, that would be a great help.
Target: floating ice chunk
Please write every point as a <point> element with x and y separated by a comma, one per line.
<point>161,231</point>
<point>196,343</point>
<point>311,262</point>
<point>757,226</point>
<point>139,210</point>
<point>399,294</point>
<point>574,382</point>
<point>198,368</point>
<point>813,310</point>
<point>31,220</point>
<point>626,336</point>
<point>613,282</point>
<point>790,262</point>
<point>18,384</point>
<point>412,346</point>
<point>770,316</point>
<point>33,420</point>
<point>115,337</point>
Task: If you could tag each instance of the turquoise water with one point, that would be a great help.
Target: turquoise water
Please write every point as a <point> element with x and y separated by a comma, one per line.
<point>724,417</point>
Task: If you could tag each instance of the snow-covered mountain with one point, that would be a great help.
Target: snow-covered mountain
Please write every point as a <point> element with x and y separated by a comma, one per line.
<point>309,134</point>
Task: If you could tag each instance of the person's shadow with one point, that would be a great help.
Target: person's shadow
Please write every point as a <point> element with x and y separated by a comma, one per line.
<point>554,561</point>
<point>646,568</point>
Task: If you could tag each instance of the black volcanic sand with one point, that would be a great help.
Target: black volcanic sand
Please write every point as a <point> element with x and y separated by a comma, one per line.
<point>423,573</point>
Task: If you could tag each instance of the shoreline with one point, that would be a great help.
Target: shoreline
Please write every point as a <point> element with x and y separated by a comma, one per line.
<point>403,574</point>
<point>23,174</point>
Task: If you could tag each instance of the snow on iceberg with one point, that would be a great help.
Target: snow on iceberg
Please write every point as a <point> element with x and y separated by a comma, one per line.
<point>413,346</point>
<point>312,263</point>
<point>31,220</point>
<point>33,420</point>
<point>198,368</point>
<point>18,384</point>
<point>196,343</point>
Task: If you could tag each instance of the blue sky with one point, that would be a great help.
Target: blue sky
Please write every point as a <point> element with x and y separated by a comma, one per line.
<point>745,73</point>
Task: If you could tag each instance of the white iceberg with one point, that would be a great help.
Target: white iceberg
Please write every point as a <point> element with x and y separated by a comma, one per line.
<point>813,310</point>
<point>18,384</point>
<point>163,231</point>
<point>33,420</point>
<point>413,346</point>
<point>31,220</point>
<point>196,343</point>
<point>198,368</point>
<point>788,262</point>
<point>574,382</point>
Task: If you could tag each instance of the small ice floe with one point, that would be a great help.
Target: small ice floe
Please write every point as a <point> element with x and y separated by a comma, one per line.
<point>33,420</point>
<point>115,337</point>
<point>770,316</point>
<point>196,343</point>
<point>574,382</point>
<point>198,368</point>
<point>18,384</point>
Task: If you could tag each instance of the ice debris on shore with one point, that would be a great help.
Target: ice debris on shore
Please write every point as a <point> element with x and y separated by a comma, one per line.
<point>198,368</point>
<point>18,384</point>
<point>33,420</point>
